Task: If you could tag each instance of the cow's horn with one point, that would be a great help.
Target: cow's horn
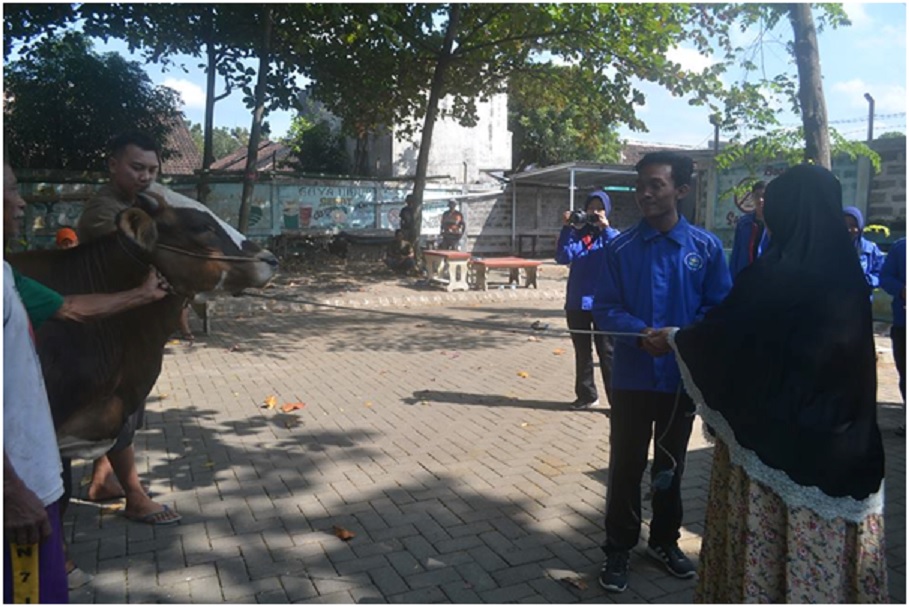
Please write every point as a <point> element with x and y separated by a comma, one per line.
<point>139,227</point>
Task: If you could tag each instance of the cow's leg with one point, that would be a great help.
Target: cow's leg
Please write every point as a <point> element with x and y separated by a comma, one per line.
<point>92,430</point>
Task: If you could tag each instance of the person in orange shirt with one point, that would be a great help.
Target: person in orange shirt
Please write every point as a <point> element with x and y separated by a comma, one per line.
<point>66,238</point>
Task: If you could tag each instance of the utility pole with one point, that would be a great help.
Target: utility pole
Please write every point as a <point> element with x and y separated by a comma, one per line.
<point>870,101</point>
<point>867,161</point>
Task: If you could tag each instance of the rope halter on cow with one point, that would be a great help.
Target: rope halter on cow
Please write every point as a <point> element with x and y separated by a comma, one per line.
<point>180,251</point>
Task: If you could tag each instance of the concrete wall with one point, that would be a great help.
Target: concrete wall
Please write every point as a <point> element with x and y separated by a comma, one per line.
<point>457,152</point>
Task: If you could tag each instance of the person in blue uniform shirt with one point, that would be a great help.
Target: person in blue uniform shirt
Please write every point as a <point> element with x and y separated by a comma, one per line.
<point>661,273</point>
<point>583,246</point>
<point>893,281</point>
<point>751,236</point>
<point>870,255</point>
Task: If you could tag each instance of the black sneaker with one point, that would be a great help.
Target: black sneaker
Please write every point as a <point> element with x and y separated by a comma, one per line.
<point>674,559</point>
<point>583,404</point>
<point>614,575</point>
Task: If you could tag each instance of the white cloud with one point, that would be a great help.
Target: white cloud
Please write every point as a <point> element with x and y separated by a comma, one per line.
<point>888,98</point>
<point>192,94</point>
<point>857,15</point>
<point>689,59</point>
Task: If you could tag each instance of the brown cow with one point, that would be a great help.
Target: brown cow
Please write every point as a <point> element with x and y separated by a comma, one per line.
<point>98,373</point>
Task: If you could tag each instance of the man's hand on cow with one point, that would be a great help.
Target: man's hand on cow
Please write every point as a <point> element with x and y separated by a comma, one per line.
<point>24,517</point>
<point>155,285</point>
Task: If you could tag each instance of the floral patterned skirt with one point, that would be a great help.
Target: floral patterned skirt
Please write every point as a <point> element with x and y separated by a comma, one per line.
<point>756,549</point>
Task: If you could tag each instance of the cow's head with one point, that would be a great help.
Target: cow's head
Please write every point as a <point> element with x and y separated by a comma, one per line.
<point>192,247</point>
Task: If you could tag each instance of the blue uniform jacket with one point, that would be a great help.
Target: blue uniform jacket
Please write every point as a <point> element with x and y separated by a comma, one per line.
<point>872,260</point>
<point>746,229</point>
<point>656,280</point>
<point>585,250</point>
<point>893,280</point>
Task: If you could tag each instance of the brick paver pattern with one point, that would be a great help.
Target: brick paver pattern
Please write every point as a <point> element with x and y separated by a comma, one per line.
<point>448,450</point>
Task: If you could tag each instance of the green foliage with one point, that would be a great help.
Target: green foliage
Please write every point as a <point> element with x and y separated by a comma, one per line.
<point>318,147</point>
<point>892,135</point>
<point>64,102</point>
<point>784,145</point>
<point>556,116</point>
<point>224,140</point>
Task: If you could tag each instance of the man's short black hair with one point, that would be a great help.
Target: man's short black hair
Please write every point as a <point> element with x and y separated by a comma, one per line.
<point>758,185</point>
<point>682,166</point>
<point>141,140</point>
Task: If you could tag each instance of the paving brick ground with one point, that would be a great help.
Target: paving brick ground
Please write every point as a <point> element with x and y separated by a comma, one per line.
<point>445,446</point>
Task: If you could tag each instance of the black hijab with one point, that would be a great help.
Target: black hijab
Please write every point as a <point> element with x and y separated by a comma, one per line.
<point>784,368</point>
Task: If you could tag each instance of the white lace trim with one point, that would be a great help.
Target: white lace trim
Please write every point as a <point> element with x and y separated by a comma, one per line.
<point>792,493</point>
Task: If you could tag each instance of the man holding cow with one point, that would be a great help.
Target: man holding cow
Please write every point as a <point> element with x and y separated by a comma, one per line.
<point>32,481</point>
<point>133,164</point>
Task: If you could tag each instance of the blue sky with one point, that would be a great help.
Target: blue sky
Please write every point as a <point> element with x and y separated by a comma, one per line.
<point>869,56</point>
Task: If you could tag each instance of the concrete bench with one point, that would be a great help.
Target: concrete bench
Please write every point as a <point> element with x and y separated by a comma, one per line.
<point>479,268</point>
<point>447,268</point>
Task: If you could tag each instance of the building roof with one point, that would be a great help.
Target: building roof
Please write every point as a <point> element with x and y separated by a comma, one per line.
<point>185,158</point>
<point>270,157</point>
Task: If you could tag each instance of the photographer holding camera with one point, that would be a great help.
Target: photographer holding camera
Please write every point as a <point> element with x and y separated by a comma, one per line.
<point>582,244</point>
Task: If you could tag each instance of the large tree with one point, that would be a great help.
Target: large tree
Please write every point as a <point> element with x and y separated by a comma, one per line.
<point>555,117</point>
<point>224,140</point>
<point>64,102</point>
<point>401,60</point>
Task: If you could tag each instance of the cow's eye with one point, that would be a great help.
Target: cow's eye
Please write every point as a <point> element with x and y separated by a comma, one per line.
<point>202,228</point>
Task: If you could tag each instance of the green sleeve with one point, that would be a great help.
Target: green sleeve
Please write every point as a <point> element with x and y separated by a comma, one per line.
<point>40,302</point>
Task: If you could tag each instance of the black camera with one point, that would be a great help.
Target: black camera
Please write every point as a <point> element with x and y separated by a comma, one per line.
<point>579,218</point>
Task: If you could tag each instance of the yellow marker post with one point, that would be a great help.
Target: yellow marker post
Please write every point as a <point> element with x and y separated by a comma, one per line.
<point>25,572</point>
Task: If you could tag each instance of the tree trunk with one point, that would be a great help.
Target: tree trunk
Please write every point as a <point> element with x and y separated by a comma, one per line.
<point>252,150</point>
<point>811,90</point>
<point>207,129</point>
<point>432,110</point>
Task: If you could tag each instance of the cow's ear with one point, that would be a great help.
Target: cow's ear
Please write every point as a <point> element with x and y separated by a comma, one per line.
<point>138,227</point>
<point>151,203</point>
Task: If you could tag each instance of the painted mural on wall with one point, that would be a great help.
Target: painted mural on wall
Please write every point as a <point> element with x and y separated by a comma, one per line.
<point>730,208</point>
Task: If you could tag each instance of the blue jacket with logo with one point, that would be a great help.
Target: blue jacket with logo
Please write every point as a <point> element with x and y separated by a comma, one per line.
<point>585,250</point>
<point>893,280</point>
<point>657,280</point>
<point>747,231</point>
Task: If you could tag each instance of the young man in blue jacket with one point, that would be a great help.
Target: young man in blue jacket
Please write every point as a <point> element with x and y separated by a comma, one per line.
<point>662,273</point>
<point>870,255</point>
<point>893,281</point>
<point>751,236</point>
<point>583,246</point>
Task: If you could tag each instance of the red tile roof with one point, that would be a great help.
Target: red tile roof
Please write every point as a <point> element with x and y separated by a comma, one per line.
<point>270,157</point>
<point>185,158</point>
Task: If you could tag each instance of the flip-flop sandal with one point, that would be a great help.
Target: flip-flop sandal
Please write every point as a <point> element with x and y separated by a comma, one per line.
<point>115,498</point>
<point>150,518</point>
<point>76,578</point>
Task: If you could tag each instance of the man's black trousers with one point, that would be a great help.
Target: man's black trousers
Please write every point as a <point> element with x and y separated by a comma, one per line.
<point>585,388</point>
<point>637,417</point>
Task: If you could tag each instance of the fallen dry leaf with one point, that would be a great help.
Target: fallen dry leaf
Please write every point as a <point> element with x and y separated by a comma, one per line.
<point>558,351</point>
<point>523,374</point>
<point>533,338</point>
<point>174,342</point>
<point>234,348</point>
<point>270,402</point>
<point>575,581</point>
<point>288,407</point>
<point>524,424</point>
<point>368,403</point>
<point>343,533</point>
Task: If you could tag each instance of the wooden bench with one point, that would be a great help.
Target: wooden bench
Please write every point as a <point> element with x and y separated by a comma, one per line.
<point>447,268</point>
<point>514,265</point>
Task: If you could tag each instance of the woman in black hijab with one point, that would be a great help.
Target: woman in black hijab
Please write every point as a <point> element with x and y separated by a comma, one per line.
<point>784,372</point>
